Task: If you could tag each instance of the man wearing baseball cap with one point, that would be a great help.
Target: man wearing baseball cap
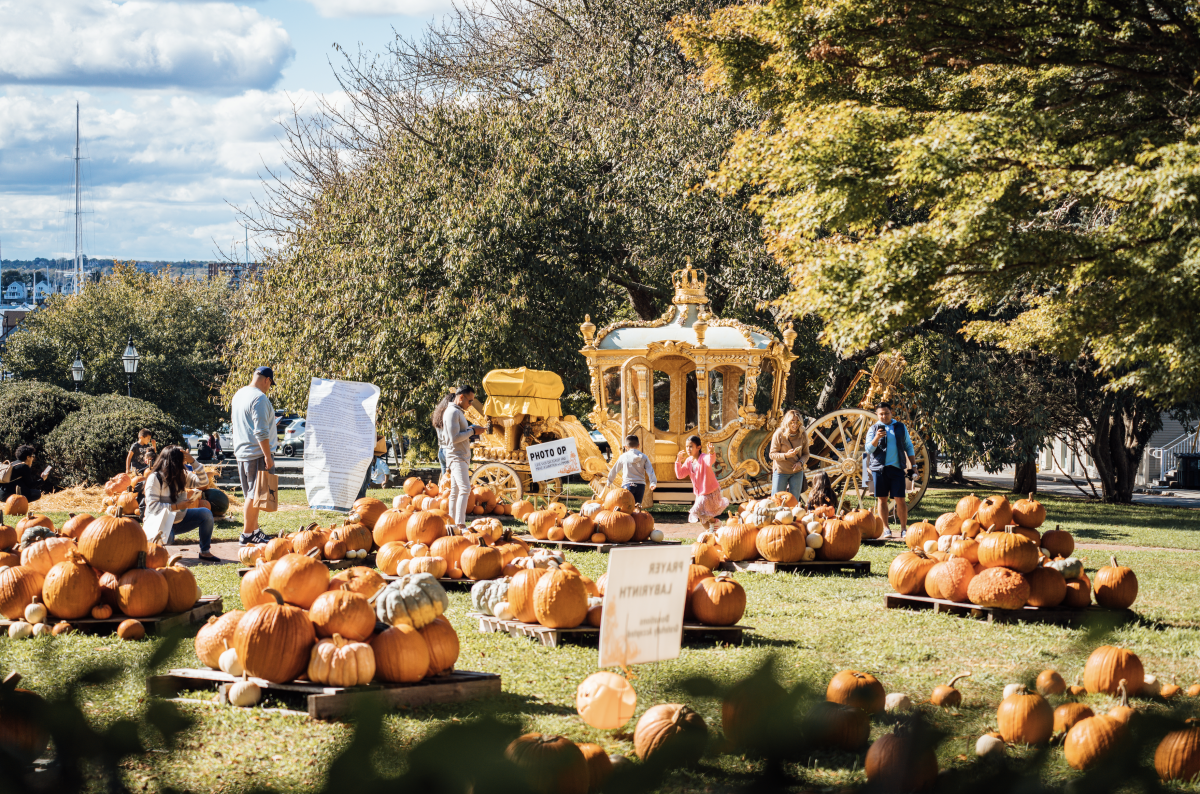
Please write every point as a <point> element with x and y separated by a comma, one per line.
<point>253,419</point>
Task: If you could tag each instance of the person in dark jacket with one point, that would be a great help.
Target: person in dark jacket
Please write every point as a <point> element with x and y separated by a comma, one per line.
<point>889,451</point>
<point>24,477</point>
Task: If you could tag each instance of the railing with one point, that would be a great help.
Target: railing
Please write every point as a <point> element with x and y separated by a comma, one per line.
<point>1168,456</point>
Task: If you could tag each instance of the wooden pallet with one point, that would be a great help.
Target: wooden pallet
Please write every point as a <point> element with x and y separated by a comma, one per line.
<point>1061,616</point>
<point>603,548</point>
<point>852,567</point>
<point>552,637</point>
<point>329,702</point>
<point>333,565</point>
<point>159,624</point>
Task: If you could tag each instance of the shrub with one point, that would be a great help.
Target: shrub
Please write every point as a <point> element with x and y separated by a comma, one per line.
<point>29,410</point>
<point>91,444</point>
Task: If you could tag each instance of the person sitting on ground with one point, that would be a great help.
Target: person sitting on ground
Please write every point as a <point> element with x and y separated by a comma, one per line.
<point>204,453</point>
<point>166,490</point>
<point>822,494</point>
<point>636,469</point>
<point>23,477</point>
<point>135,460</point>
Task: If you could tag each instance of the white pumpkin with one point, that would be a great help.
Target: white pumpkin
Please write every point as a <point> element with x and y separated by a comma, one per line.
<point>808,518</point>
<point>815,540</point>
<point>42,630</point>
<point>1013,689</point>
<point>35,613</point>
<point>784,517</point>
<point>402,568</point>
<point>1151,685</point>
<point>228,662</point>
<point>930,546</point>
<point>944,542</point>
<point>244,693</point>
<point>418,550</point>
<point>20,630</point>
<point>989,745</point>
<point>798,512</point>
<point>502,610</point>
<point>657,536</point>
<point>810,554</point>
<point>897,701</point>
<point>813,526</point>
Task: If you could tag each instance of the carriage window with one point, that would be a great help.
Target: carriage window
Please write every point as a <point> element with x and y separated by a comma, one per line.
<point>766,387</point>
<point>716,396</point>
<point>662,401</point>
<point>691,413</point>
<point>612,390</point>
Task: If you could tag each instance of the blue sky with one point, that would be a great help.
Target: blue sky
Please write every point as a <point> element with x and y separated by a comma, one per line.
<point>179,106</point>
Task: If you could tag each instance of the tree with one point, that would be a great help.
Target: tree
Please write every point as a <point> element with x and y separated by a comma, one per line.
<point>513,171</point>
<point>179,327</point>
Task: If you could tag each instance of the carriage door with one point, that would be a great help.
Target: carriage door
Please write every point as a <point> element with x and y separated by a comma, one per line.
<point>637,389</point>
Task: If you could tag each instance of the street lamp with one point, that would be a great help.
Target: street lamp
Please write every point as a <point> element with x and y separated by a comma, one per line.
<point>77,371</point>
<point>130,360</point>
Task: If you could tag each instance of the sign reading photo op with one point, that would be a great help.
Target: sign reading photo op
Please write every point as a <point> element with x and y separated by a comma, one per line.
<point>553,459</point>
<point>339,441</point>
<point>643,605</point>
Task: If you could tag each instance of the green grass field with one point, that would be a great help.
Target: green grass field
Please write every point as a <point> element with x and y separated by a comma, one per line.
<point>811,626</point>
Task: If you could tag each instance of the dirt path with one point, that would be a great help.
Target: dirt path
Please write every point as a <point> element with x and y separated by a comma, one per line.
<point>1116,547</point>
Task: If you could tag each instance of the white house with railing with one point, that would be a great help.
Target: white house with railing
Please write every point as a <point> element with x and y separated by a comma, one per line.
<point>1160,458</point>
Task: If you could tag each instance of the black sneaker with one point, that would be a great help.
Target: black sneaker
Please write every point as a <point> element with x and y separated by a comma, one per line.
<point>253,540</point>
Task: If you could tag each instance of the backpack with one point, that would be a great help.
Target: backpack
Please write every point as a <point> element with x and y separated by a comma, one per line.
<point>6,472</point>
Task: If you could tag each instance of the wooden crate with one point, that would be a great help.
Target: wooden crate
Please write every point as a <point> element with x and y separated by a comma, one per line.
<point>552,637</point>
<point>158,624</point>
<point>333,565</point>
<point>603,548</point>
<point>329,702</point>
<point>851,567</point>
<point>1061,616</point>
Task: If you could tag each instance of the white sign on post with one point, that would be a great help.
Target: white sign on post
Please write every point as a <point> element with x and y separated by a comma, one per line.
<point>644,598</point>
<point>553,459</point>
<point>339,441</point>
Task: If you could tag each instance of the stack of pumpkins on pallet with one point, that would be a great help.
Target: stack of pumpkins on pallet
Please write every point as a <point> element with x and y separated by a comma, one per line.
<point>352,539</point>
<point>92,567</point>
<point>302,621</point>
<point>529,594</point>
<point>616,519</point>
<point>480,502</point>
<point>120,494</point>
<point>778,529</point>
<point>990,553</point>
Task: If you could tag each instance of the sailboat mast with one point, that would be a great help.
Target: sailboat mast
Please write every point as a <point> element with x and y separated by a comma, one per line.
<point>78,265</point>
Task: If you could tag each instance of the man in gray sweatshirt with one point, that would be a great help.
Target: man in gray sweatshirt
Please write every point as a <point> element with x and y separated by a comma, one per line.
<point>455,439</point>
<point>253,419</point>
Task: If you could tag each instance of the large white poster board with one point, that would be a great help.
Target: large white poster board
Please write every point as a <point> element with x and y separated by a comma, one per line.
<point>339,441</point>
<point>553,459</point>
<point>643,605</point>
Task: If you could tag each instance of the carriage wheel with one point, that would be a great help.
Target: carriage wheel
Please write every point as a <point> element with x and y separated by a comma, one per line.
<point>544,491</point>
<point>504,481</point>
<point>836,443</point>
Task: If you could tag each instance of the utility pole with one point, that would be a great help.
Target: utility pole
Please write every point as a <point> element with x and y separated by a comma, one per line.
<point>78,266</point>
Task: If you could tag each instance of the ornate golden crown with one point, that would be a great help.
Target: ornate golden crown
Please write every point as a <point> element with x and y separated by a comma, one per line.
<point>690,285</point>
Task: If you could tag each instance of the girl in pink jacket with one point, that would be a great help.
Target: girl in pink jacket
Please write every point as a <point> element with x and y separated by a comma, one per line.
<point>699,469</point>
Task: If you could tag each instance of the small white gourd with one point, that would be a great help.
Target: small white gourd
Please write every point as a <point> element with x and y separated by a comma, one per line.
<point>784,517</point>
<point>813,526</point>
<point>35,613</point>
<point>1152,686</point>
<point>897,701</point>
<point>244,693</point>
<point>815,540</point>
<point>20,630</point>
<point>228,661</point>
<point>502,610</point>
<point>402,568</point>
<point>945,541</point>
<point>808,518</point>
<point>798,513</point>
<point>419,550</point>
<point>810,554</point>
<point>42,630</point>
<point>1014,689</point>
<point>930,546</point>
<point>988,746</point>
<point>656,535</point>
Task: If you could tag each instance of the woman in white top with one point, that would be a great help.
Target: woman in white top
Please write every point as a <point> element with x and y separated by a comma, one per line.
<point>166,491</point>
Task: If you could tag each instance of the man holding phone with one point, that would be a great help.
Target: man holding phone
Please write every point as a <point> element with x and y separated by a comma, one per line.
<point>889,451</point>
<point>455,438</point>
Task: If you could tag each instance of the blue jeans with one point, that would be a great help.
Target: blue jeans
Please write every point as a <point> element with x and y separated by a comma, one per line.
<point>788,482</point>
<point>200,517</point>
<point>442,463</point>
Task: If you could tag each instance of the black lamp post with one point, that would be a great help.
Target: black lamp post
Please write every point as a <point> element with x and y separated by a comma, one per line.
<point>130,360</point>
<point>77,371</point>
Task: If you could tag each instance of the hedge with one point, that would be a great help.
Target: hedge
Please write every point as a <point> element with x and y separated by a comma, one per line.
<point>91,444</point>
<point>29,410</point>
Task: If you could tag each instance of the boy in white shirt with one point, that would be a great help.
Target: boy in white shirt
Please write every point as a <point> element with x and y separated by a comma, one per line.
<point>636,470</point>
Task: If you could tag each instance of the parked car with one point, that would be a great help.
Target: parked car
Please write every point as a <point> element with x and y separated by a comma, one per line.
<point>192,437</point>
<point>293,439</point>
<point>600,441</point>
<point>282,421</point>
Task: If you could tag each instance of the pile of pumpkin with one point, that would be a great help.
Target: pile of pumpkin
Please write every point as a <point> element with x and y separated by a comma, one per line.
<point>617,518</point>
<point>990,553</point>
<point>430,496</point>
<point>543,589</point>
<point>778,529</point>
<point>92,567</point>
<point>342,629</point>
<point>120,495</point>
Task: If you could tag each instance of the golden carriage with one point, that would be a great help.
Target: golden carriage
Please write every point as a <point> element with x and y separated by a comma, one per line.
<point>686,373</point>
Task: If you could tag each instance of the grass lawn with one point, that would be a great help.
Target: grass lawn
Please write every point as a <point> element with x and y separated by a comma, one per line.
<point>811,626</point>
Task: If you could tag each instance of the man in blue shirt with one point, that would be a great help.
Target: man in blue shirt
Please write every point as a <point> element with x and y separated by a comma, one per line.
<point>889,449</point>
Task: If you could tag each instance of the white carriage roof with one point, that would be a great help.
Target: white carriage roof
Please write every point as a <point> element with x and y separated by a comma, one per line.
<point>717,338</point>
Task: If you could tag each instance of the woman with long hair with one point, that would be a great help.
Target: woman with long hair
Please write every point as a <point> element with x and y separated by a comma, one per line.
<point>789,456</point>
<point>166,491</point>
<point>822,494</point>
<point>439,413</point>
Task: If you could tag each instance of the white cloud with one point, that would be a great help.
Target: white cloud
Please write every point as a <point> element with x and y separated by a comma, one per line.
<point>163,169</point>
<point>209,46</point>
<point>380,8</point>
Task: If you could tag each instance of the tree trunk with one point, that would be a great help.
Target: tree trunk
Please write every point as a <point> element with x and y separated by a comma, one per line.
<point>1121,428</point>
<point>956,474</point>
<point>643,303</point>
<point>1025,477</point>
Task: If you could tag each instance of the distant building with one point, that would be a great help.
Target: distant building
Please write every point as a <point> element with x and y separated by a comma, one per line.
<point>13,315</point>
<point>17,291</point>
<point>237,271</point>
<point>43,290</point>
